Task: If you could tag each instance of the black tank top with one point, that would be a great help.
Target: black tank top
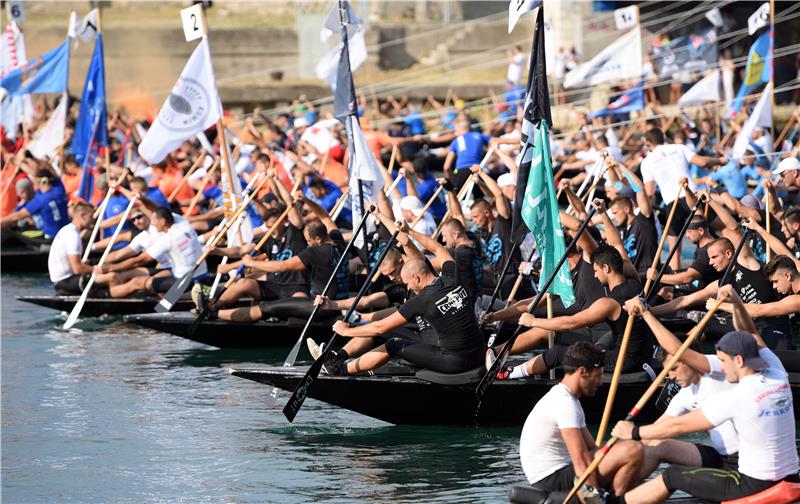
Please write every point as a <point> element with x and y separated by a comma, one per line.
<point>640,344</point>
<point>754,288</point>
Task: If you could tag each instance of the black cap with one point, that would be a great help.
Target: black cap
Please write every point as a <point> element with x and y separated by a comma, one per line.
<point>742,343</point>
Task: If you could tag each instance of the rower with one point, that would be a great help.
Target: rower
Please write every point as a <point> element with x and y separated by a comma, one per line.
<point>760,408</point>
<point>749,282</point>
<point>700,378</point>
<point>639,235</point>
<point>607,263</point>
<point>440,302</point>
<point>48,208</point>
<point>179,242</point>
<point>700,273</point>
<point>67,272</point>
<point>555,444</point>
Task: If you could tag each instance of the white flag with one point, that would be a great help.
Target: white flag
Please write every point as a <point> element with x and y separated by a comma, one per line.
<point>516,8</point>
<point>715,17</point>
<point>621,60</point>
<point>49,137</point>
<point>362,167</point>
<point>326,67</point>
<point>758,19</point>
<point>84,29</point>
<point>705,90</point>
<point>17,109</point>
<point>760,116</point>
<point>191,108</point>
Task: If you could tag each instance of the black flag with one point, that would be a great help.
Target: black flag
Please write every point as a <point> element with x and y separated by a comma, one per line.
<point>344,100</point>
<point>537,109</point>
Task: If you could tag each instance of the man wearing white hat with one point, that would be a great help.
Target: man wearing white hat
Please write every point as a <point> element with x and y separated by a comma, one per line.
<point>789,172</point>
<point>412,208</point>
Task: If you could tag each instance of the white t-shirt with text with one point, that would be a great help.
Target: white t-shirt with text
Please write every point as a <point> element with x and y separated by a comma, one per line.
<point>67,242</point>
<point>667,164</point>
<point>181,245</point>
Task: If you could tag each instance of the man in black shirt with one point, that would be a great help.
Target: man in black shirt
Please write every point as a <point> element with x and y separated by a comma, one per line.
<point>700,273</point>
<point>639,235</point>
<point>441,302</point>
<point>608,311</point>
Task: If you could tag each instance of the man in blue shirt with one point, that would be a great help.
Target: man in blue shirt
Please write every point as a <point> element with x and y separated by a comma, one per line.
<point>48,207</point>
<point>325,193</point>
<point>413,119</point>
<point>467,150</point>
<point>154,194</point>
<point>514,98</point>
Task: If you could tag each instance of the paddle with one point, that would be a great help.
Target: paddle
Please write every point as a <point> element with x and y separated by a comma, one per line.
<point>647,292</point>
<point>490,376</point>
<point>238,274</point>
<point>185,178</point>
<point>98,215</point>
<point>292,357</point>
<point>465,188</point>
<point>602,452</point>
<point>301,391</point>
<point>76,310</point>
<point>177,290</point>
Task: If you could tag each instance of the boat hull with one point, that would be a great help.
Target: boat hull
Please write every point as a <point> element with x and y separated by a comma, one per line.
<point>227,334</point>
<point>408,400</point>
<point>95,307</point>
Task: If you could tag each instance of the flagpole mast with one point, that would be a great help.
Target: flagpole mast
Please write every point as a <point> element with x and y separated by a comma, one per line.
<point>772,64</point>
<point>65,98</point>
<point>344,19</point>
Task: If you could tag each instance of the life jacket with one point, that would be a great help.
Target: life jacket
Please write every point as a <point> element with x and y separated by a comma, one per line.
<point>782,493</point>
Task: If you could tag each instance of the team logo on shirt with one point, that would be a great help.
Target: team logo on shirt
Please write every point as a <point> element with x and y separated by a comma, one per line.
<point>455,299</point>
<point>187,107</point>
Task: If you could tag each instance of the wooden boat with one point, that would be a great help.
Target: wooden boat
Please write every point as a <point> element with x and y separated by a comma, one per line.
<point>403,395</point>
<point>523,493</point>
<point>406,396</point>
<point>96,307</point>
<point>226,334</point>
<point>23,260</point>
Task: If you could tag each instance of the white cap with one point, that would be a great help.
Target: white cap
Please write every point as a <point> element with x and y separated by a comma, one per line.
<point>787,164</point>
<point>412,204</point>
<point>300,122</point>
<point>506,179</point>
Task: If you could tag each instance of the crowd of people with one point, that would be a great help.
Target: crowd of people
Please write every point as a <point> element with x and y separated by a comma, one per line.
<point>452,245</point>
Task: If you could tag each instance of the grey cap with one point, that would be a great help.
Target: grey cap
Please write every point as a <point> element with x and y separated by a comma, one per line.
<point>750,201</point>
<point>23,184</point>
<point>742,343</point>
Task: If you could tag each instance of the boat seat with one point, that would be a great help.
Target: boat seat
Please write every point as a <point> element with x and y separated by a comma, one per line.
<point>637,377</point>
<point>471,376</point>
<point>525,493</point>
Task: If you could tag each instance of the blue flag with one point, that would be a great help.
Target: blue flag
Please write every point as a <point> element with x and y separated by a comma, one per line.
<point>91,130</point>
<point>44,74</point>
<point>630,101</point>
<point>757,71</point>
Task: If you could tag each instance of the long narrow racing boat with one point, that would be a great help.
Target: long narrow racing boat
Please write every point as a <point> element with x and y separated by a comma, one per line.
<point>96,307</point>
<point>227,334</point>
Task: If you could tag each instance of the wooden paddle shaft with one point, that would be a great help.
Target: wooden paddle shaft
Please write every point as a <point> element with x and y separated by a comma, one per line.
<point>206,179</point>
<point>185,178</point>
<point>626,336</point>
<point>339,203</point>
<point>784,131</point>
<point>110,191</point>
<point>602,452</point>
<point>10,183</point>
<point>427,206</point>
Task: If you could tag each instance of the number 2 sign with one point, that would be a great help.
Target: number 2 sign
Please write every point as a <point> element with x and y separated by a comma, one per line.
<point>194,22</point>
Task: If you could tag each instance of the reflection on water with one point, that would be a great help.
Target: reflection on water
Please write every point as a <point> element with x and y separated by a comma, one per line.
<point>110,412</point>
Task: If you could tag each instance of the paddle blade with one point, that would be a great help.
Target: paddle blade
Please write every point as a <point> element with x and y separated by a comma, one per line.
<point>174,293</point>
<point>301,391</point>
<point>76,310</point>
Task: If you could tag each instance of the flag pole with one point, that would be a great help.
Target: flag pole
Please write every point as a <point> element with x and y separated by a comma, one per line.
<point>772,69</point>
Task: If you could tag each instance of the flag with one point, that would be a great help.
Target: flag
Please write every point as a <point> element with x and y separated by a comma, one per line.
<point>704,90</point>
<point>91,129</point>
<point>84,29</point>
<point>44,74</point>
<point>760,116</point>
<point>14,110</point>
<point>537,109</point>
<point>714,17</point>
<point>620,60</point>
<point>631,100</point>
<point>540,213</point>
<point>191,108</point>
<point>344,99</point>
<point>759,19</point>
<point>696,52</point>
<point>516,8</point>
<point>757,71</point>
<point>49,137</point>
<point>333,22</point>
<point>326,68</point>
<point>364,168</point>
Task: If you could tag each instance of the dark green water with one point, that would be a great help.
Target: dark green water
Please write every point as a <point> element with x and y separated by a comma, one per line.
<point>115,413</point>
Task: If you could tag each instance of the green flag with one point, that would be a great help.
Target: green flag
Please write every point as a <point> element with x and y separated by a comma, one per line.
<point>540,213</point>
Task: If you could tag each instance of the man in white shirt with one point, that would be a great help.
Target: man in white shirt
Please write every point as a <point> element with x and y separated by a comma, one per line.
<point>760,407</point>
<point>178,242</point>
<point>556,445</point>
<point>663,168</point>
<point>516,58</point>
<point>64,260</point>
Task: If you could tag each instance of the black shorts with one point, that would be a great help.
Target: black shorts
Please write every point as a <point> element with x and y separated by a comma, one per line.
<point>559,481</point>
<point>715,485</point>
<point>554,357</point>
<point>432,357</point>
<point>152,270</point>
<point>425,336</point>
<point>680,217</point>
<point>709,456</point>
<point>163,283</point>
<point>75,284</point>
<point>270,291</point>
